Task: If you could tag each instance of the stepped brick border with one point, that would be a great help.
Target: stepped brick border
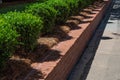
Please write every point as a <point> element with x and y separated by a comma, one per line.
<point>71,49</point>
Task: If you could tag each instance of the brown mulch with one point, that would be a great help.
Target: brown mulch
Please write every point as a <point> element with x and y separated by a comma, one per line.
<point>19,66</point>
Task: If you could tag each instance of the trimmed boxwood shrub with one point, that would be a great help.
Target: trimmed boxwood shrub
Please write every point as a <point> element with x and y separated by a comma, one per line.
<point>62,9</point>
<point>27,25</point>
<point>73,5</point>
<point>76,5</point>
<point>46,12</point>
<point>83,3</point>
<point>8,41</point>
<point>87,2</point>
<point>55,11</point>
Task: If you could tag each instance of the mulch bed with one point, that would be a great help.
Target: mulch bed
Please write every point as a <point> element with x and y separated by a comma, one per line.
<point>19,66</point>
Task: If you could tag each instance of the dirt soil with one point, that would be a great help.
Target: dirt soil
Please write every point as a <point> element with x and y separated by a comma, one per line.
<point>19,65</point>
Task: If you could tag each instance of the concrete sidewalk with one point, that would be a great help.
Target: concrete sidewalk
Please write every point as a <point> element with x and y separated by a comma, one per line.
<point>106,64</point>
<point>101,60</point>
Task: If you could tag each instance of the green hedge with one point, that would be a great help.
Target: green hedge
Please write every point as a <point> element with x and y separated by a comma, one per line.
<point>27,25</point>
<point>73,5</point>
<point>8,41</point>
<point>21,29</point>
<point>55,11</point>
<point>17,30</point>
<point>62,9</point>
<point>46,12</point>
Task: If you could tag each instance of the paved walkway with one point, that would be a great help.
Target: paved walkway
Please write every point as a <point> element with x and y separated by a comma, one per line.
<point>101,60</point>
<point>106,64</point>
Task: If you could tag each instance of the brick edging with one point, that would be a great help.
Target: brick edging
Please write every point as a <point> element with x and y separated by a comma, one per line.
<point>71,50</point>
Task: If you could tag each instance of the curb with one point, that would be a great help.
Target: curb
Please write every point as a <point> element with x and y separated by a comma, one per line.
<point>81,69</point>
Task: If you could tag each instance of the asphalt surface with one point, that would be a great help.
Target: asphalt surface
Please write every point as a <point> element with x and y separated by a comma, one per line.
<point>101,59</point>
